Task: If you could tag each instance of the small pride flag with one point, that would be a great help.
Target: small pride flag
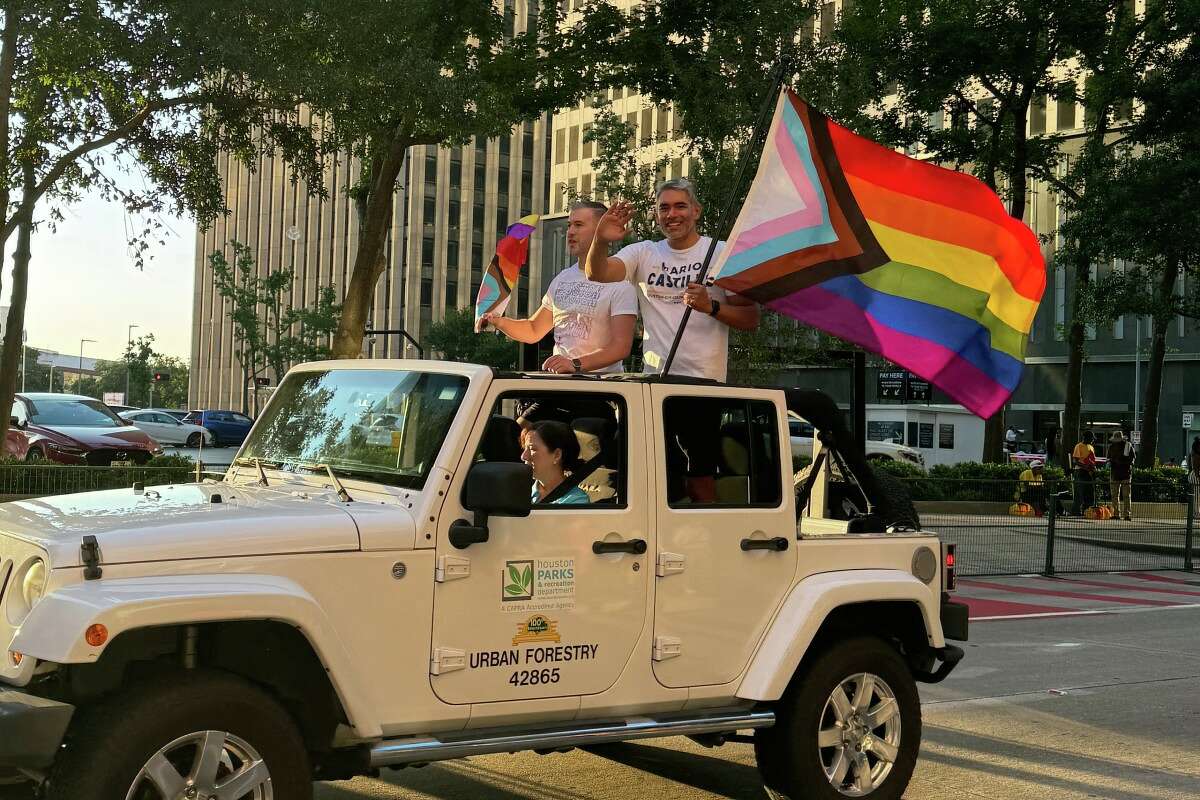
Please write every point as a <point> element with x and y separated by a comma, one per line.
<point>500,279</point>
<point>907,259</point>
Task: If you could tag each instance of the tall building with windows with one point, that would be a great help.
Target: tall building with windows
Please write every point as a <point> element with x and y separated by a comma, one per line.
<point>451,206</point>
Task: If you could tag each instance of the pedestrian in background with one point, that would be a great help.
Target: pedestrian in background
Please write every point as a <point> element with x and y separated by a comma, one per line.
<point>1083,463</point>
<point>1053,445</point>
<point>1120,474</point>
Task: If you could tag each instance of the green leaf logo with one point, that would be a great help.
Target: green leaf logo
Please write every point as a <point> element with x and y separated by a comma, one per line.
<point>518,582</point>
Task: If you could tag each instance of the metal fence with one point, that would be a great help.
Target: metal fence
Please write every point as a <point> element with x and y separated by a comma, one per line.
<point>1004,527</point>
<point>40,480</point>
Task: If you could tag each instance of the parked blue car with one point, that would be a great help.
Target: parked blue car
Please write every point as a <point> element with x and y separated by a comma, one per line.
<point>228,427</point>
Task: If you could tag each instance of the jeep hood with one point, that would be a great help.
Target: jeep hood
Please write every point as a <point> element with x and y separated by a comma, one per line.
<point>211,520</point>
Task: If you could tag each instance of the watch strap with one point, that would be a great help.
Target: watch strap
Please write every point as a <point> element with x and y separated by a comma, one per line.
<point>716,306</point>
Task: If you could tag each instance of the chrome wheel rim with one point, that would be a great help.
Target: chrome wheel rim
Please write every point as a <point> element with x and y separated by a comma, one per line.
<point>206,765</point>
<point>858,735</point>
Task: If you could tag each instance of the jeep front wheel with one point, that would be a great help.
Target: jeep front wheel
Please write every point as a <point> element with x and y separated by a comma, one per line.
<point>849,726</point>
<point>195,736</point>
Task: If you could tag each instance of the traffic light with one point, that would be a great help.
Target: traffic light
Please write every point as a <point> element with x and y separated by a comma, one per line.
<point>162,375</point>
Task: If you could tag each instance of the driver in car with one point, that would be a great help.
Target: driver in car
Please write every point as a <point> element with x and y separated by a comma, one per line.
<point>552,451</point>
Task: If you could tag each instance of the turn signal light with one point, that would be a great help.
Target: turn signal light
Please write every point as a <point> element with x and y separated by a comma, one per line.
<point>96,635</point>
<point>15,657</point>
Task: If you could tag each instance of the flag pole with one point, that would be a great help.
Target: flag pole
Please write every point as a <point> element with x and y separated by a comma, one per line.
<point>759,125</point>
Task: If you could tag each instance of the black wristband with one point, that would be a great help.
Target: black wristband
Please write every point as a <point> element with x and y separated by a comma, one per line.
<point>716,306</point>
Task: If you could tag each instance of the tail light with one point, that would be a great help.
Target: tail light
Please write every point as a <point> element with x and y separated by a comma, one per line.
<point>949,572</point>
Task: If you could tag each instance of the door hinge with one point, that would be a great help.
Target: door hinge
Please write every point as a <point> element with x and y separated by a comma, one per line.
<point>669,564</point>
<point>451,568</point>
<point>447,659</point>
<point>667,647</point>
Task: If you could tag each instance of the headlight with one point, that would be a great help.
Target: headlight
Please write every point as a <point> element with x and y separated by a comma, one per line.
<point>34,583</point>
<point>28,586</point>
<point>66,448</point>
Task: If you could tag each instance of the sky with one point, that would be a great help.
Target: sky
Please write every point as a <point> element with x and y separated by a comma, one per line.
<point>83,284</point>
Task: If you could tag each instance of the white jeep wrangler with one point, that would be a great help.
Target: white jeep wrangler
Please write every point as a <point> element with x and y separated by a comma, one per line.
<point>346,600</point>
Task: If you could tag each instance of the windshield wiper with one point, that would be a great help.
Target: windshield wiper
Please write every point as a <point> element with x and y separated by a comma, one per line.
<point>257,463</point>
<point>343,495</point>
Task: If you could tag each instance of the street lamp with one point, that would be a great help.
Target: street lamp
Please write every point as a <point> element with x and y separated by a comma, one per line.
<point>79,377</point>
<point>128,341</point>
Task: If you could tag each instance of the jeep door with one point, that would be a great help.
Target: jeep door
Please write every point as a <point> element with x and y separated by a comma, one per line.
<point>534,611</point>
<point>726,528</point>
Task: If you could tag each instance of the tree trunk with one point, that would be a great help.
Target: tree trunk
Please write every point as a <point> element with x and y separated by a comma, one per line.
<point>14,335</point>
<point>1081,269</point>
<point>369,258</point>
<point>1154,375</point>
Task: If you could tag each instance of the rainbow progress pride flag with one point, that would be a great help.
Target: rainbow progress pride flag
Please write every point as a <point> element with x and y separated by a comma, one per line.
<point>500,279</point>
<point>907,259</point>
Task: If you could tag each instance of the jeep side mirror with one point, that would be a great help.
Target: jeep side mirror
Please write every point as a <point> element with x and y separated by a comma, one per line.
<point>496,488</point>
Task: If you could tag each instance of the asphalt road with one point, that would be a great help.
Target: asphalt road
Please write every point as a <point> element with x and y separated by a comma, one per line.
<point>1066,708</point>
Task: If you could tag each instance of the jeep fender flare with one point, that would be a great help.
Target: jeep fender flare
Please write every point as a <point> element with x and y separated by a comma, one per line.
<point>809,604</point>
<point>54,630</point>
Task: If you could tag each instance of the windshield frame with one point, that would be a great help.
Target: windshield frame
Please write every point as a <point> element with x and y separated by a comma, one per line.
<point>311,464</point>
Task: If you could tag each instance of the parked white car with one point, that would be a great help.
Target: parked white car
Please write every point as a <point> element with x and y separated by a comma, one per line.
<point>165,429</point>
<point>802,445</point>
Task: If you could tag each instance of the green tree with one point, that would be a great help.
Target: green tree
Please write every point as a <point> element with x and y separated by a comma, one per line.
<point>386,77</point>
<point>272,333</point>
<point>86,87</point>
<point>454,339</point>
<point>619,173</point>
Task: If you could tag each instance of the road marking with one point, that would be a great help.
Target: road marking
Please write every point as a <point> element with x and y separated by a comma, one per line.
<point>1086,612</point>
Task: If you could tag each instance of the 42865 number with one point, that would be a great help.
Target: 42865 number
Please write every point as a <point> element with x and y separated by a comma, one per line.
<point>534,677</point>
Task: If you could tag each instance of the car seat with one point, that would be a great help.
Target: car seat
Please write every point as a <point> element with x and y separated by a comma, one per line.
<point>501,440</point>
<point>599,453</point>
<point>733,465</point>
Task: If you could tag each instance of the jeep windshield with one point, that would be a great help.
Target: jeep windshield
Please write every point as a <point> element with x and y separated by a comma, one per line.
<point>384,426</point>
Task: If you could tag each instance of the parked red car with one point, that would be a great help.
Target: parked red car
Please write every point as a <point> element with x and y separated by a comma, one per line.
<point>71,429</point>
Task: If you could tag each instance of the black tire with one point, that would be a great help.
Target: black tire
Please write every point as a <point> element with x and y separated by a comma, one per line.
<point>108,744</point>
<point>35,454</point>
<point>894,502</point>
<point>194,440</point>
<point>792,764</point>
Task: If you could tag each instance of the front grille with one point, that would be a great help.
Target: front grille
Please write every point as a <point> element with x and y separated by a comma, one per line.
<point>105,456</point>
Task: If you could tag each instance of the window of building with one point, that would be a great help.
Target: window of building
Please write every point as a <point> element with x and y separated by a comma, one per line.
<point>828,19</point>
<point>527,142</point>
<point>560,146</point>
<point>477,217</point>
<point>427,292</point>
<point>429,207</point>
<point>1037,114</point>
<point>560,195</point>
<point>585,185</point>
<point>427,251</point>
<point>451,295</point>
<point>502,178</point>
<point>452,254</point>
<point>476,256</point>
<point>1118,268</point>
<point>677,168</point>
<point>647,130</point>
<point>588,144</point>
<point>431,166</point>
<point>945,436</point>
<point>523,298</point>
<point>526,191</point>
<point>631,120</point>
<point>505,147</point>
<point>664,123</point>
<point>501,221</point>
<point>1065,107</point>
<point>455,174</point>
<point>721,452</point>
<point>573,143</point>
<point>590,422</point>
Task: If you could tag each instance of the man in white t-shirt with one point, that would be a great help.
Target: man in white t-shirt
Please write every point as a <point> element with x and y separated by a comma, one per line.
<point>593,322</point>
<point>665,272</point>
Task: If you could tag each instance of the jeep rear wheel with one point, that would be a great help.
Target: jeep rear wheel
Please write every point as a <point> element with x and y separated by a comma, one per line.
<point>849,726</point>
<point>199,736</point>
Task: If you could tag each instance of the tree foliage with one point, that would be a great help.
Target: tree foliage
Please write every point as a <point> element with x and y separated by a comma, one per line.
<point>271,332</point>
<point>88,87</point>
<point>454,339</point>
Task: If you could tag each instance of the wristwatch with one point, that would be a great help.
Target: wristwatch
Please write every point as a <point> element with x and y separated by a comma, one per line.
<point>577,364</point>
<point>716,306</point>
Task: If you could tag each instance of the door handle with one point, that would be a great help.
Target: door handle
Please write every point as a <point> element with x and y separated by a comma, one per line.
<point>635,546</point>
<point>778,544</point>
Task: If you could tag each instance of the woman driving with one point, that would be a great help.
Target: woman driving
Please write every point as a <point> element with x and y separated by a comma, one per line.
<point>552,450</point>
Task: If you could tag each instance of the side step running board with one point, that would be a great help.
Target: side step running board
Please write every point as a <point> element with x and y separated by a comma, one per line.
<point>397,752</point>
